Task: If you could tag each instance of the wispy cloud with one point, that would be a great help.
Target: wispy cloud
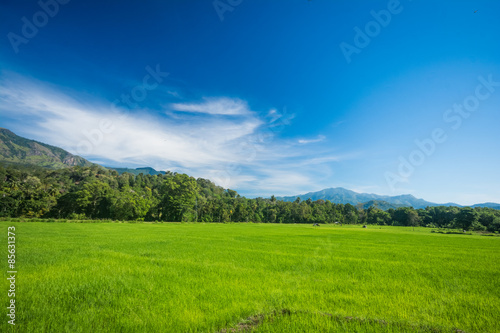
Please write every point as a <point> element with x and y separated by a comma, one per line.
<point>241,149</point>
<point>137,138</point>
<point>214,106</point>
<point>281,182</point>
<point>173,93</point>
<point>318,139</point>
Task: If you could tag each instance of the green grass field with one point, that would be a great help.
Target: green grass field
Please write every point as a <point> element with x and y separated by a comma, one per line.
<point>121,277</point>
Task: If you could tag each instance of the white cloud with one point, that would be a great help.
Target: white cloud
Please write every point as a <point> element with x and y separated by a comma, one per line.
<point>173,93</point>
<point>318,139</point>
<point>242,151</point>
<point>283,182</point>
<point>220,106</point>
<point>137,138</point>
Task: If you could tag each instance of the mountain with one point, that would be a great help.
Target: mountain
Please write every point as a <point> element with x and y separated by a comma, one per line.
<point>366,200</point>
<point>488,205</point>
<point>344,196</point>
<point>384,205</point>
<point>145,171</point>
<point>16,149</point>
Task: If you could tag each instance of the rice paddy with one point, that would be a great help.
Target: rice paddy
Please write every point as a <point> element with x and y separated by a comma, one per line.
<point>172,277</point>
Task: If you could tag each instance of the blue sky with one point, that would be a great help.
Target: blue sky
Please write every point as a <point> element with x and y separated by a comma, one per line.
<point>282,97</point>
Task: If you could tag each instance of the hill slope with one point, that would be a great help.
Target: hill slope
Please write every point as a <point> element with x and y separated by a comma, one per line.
<point>16,149</point>
<point>378,204</point>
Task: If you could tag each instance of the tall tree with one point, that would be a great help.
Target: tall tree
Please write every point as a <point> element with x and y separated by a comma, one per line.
<point>178,196</point>
<point>466,217</point>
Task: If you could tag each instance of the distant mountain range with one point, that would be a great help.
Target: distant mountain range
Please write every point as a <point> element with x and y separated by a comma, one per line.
<point>366,200</point>
<point>16,149</point>
<point>488,204</point>
<point>145,171</point>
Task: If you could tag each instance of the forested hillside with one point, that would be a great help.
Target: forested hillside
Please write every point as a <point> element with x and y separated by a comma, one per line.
<point>16,149</point>
<point>98,193</point>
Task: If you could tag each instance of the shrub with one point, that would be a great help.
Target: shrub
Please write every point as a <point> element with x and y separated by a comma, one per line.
<point>75,216</point>
<point>476,226</point>
<point>495,225</point>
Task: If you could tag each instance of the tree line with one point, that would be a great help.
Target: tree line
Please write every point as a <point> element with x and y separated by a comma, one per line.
<point>99,193</point>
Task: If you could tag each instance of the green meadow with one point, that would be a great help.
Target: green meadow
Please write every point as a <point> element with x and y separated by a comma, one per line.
<point>172,277</point>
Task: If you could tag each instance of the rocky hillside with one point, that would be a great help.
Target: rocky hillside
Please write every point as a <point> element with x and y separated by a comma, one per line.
<point>16,149</point>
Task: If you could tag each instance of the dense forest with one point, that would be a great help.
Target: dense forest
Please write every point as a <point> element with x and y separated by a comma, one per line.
<point>99,193</point>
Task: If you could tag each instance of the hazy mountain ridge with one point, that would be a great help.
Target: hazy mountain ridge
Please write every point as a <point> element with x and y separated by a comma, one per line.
<point>16,149</point>
<point>366,200</point>
<point>144,170</point>
<point>344,196</point>
<point>488,204</point>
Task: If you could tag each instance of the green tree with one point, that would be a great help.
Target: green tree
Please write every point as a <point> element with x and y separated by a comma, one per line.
<point>351,214</point>
<point>413,218</point>
<point>94,199</point>
<point>377,216</point>
<point>406,216</point>
<point>178,196</point>
<point>466,217</point>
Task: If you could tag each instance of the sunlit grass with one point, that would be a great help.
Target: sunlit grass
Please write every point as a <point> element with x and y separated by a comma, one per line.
<point>119,277</point>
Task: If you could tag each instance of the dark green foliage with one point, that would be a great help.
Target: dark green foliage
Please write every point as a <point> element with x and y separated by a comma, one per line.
<point>98,193</point>
<point>178,196</point>
<point>377,216</point>
<point>466,218</point>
